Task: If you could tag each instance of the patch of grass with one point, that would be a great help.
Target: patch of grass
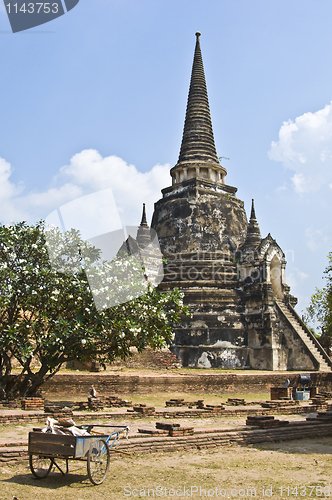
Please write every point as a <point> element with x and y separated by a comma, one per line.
<point>226,468</point>
<point>159,399</point>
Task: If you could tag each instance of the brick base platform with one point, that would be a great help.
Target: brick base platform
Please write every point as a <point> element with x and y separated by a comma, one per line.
<point>17,418</point>
<point>244,435</point>
<point>200,382</point>
<point>214,439</point>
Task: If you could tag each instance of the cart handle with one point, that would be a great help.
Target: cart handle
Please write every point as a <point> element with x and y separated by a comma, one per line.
<point>91,426</point>
<point>122,428</point>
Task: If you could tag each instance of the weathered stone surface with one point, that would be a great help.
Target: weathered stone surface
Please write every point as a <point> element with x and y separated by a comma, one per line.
<point>199,216</point>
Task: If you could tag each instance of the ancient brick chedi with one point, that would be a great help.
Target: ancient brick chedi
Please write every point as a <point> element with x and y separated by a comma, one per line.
<point>232,278</point>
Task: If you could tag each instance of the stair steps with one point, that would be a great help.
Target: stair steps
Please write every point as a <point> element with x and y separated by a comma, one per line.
<point>304,336</point>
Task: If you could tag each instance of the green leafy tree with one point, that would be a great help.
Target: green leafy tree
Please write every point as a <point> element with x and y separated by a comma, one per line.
<point>320,308</point>
<point>48,315</point>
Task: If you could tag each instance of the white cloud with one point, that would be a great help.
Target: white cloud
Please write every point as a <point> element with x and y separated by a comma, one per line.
<point>8,192</point>
<point>295,276</point>
<point>305,146</point>
<point>281,188</point>
<point>299,283</point>
<point>7,189</point>
<point>86,173</point>
<point>51,198</point>
<point>130,187</point>
<point>317,238</point>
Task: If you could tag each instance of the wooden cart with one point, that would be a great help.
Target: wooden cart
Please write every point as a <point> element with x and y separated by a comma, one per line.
<point>45,448</point>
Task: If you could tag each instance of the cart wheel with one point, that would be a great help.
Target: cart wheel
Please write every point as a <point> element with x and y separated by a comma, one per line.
<point>98,461</point>
<point>40,466</point>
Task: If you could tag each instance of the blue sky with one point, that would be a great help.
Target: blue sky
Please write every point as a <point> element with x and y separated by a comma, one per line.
<point>97,98</point>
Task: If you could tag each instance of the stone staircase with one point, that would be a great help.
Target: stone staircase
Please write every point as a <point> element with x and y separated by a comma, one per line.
<point>320,355</point>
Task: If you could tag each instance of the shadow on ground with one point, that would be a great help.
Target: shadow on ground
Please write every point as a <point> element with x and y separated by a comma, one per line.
<point>321,446</point>
<point>75,478</point>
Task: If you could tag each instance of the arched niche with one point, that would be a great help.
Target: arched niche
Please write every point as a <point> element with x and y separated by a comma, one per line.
<point>276,276</point>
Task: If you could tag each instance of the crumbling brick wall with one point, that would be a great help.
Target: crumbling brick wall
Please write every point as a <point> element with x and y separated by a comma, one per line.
<point>198,383</point>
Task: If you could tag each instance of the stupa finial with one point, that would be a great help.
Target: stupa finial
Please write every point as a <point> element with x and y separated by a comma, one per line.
<point>253,237</point>
<point>198,140</point>
<point>198,156</point>
<point>252,215</point>
<point>144,221</point>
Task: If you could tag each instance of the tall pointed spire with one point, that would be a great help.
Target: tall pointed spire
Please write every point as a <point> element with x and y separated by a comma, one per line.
<point>198,152</point>
<point>143,221</point>
<point>143,232</point>
<point>198,140</point>
<point>253,237</point>
<point>253,215</point>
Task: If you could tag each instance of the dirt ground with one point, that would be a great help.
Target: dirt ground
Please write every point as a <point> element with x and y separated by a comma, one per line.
<point>288,469</point>
<point>278,470</point>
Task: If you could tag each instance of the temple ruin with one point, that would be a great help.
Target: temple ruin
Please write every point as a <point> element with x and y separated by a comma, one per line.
<point>233,279</point>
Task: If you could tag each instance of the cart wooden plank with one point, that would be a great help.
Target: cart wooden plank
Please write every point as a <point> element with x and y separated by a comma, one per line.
<point>41,443</point>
